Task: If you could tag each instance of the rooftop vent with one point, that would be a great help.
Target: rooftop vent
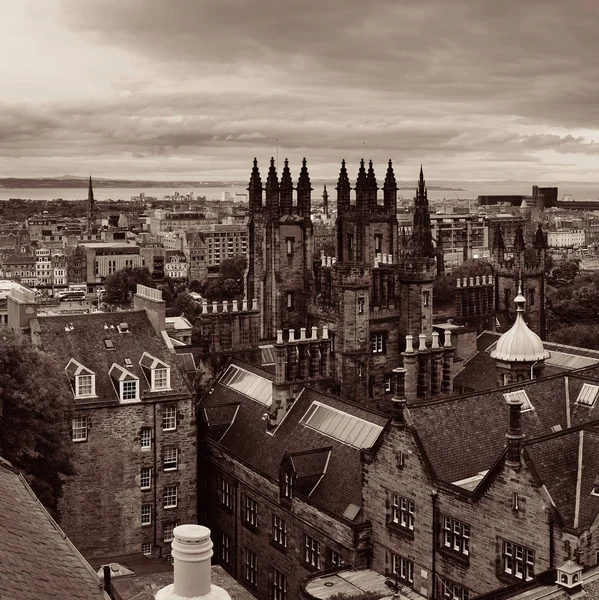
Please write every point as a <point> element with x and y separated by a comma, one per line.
<point>123,328</point>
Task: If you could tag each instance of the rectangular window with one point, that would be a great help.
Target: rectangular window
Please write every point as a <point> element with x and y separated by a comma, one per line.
<point>279,531</point>
<point>85,386</point>
<point>225,549</point>
<point>289,245</point>
<point>311,551</point>
<point>170,496</point>
<point>129,390</point>
<point>279,585</point>
<point>251,568</point>
<point>146,514</point>
<point>169,418</point>
<point>169,461</point>
<point>251,512</point>
<point>334,559</point>
<point>145,438</point>
<point>288,485</point>
<point>518,561</point>
<point>361,302</point>
<point>448,590</point>
<point>146,478</point>
<point>161,379</point>
<point>404,569</point>
<point>378,243</point>
<point>226,494</point>
<point>168,531</point>
<point>388,383</point>
<point>378,343</point>
<point>289,300</point>
<point>456,536</point>
<point>79,425</point>
<point>146,548</point>
<point>402,512</point>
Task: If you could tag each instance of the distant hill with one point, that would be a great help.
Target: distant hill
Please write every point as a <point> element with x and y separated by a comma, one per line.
<point>68,181</point>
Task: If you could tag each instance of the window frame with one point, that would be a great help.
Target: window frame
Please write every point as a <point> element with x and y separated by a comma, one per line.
<point>402,512</point>
<point>279,585</point>
<point>145,474</point>
<point>168,493</point>
<point>456,536</point>
<point>250,512</point>
<point>146,511</point>
<point>168,531</point>
<point>125,394</point>
<point>166,461</point>
<point>147,551</point>
<point>377,343</point>
<point>79,428</point>
<point>168,418</point>
<point>403,568</point>
<point>288,485</point>
<point>144,443</point>
<point>514,566</point>
<point>279,530</point>
<point>250,569</point>
<point>226,494</point>
<point>311,553</point>
<point>167,379</point>
<point>92,385</point>
<point>225,549</point>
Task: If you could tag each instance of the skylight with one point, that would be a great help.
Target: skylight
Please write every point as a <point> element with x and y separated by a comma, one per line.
<point>341,426</point>
<point>569,361</point>
<point>249,384</point>
<point>588,395</point>
<point>522,396</point>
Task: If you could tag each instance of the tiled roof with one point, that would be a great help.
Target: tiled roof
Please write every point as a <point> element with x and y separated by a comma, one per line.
<point>249,439</point>
<point>85,342</point>
<point>36,559</point>
<point>474,426</point>
<point>559,461</point>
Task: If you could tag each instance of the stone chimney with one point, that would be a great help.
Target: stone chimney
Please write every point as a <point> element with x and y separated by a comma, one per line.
<point>21,307</point>
<point>515,435</point>
<point>151,300</point>
<point>192,550</point>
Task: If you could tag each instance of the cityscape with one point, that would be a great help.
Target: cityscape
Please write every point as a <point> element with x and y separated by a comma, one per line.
<point>277,325</point>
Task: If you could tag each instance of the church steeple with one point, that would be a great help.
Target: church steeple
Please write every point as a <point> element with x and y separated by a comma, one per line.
<point>90,205</point>
<point>255,188</point>
<point>361,183</point>
<point>422,239</point>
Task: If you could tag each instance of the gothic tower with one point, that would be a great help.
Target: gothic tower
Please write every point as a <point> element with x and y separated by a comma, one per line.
<point>281,248</point>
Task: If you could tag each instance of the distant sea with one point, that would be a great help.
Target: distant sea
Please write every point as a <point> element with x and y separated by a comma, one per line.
<point>451,190</point>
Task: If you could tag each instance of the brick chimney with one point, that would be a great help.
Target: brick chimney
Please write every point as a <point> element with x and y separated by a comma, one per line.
<point>151,300</point>
<point>192,550</point>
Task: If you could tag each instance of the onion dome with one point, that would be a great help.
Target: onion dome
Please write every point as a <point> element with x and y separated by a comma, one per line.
<point>520,343</point>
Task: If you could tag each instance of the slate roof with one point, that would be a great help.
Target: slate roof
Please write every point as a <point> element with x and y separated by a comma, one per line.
<point>474,426</point>
<point>559,461</point>
<point>36,559</point>
<point>248,439</point>
<point>85,343</point>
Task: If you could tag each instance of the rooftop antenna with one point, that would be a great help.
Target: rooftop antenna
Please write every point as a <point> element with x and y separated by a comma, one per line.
<point>363,149</point>
<point>277,152</point>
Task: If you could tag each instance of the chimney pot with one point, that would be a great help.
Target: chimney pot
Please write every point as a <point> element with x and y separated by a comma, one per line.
<point>422,339</point>
<point>279,336</point>
<point>214,306</point>
<point>302,334</point>
<point>471,280</point>
<point>204,307</point>
<point>292,335</point>
<point>254,304</point>
<point>225,306</point>
<point>323,259</point>
<point>235,307</point>
<point>435,340</point>
<point>390,259</point>
<point>244,304</point>
<point>325,332</point>
<point>457,282</point>
<point>478,280</point>
<point>314,332</point>
<point>447,341</point>
<point>409,340</point>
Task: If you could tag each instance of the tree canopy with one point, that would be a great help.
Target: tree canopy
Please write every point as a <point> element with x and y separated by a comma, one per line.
<point>444,286</point>
<point>35,416</point>
<point>120,284</point>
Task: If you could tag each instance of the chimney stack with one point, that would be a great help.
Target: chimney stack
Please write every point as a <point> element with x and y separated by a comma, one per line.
<point>192,550</point>
<point>515,435</point>
<point>151,300</point>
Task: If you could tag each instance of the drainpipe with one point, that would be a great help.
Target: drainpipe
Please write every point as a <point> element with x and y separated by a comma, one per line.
<point>154,447</point>
<point>551,543</point>
<point>107,582</point>
<point>434,497</point>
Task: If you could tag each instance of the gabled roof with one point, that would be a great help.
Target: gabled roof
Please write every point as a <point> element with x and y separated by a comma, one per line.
<point>464,435</point>
<point>568,464</point>
<point>37,560</point>
<point>95,342</point>
<point>249,439</point>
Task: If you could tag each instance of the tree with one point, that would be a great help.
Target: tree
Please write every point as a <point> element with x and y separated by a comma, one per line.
<point>35,416</point>
<point>223,289</point>
<point>444,286</point>
<point>120,284</point>
<point>566,270</point>
<point>233,268</point>
<point>473,268</point>
<point>184,304</point>
<point>196,286</point>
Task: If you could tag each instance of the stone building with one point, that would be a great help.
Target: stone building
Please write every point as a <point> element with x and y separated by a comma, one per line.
<point>133,430</point>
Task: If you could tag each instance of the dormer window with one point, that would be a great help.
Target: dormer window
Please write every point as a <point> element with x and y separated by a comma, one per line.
<point>156,371</point>
<point>288,485</point>
<point>125,383</point>
<point>83,380</point>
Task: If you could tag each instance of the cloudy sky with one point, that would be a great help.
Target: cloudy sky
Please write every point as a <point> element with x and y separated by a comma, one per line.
<point>194,89</point>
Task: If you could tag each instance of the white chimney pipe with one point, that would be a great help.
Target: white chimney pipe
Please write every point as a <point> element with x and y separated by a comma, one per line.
<point>192,549</point>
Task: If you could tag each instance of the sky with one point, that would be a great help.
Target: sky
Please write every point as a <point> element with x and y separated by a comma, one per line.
<point>194,89</point>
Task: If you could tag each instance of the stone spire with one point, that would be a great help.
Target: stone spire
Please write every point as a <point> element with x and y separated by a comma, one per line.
<point>519,243</point>
<point>304,188</point>
<point>343,189</point>
<point>255,187</point>
<point>422,239</point>
<point>361,181</point>
<point>325,202</point>
<point>286,187</point>
<point>272,188</point>
<point>390,188</point>
<point>90,204</point>
<point>498,243</point>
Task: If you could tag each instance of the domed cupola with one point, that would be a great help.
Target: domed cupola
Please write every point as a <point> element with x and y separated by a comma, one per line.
<point>519,352</point>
